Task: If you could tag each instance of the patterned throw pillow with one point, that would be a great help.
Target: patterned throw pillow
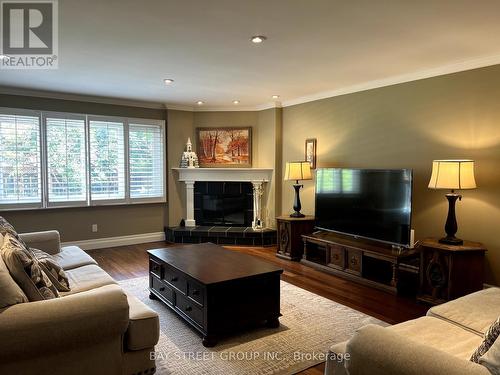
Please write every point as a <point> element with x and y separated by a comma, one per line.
<point>489,338</point>
<point>7,228</point>
<point>53,270</point>
<point>27,271</point>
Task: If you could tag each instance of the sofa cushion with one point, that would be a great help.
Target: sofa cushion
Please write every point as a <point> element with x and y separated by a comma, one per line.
<point>490,337</point>
<point>441,335</point>
<point>53,270</point>
<point>491,360</point>
<point>73,257</point>
<point>475,312</point>
<point>86,278</point>
<point>7,228</point>
<point>10,292</point>
<point>144,327</point>
<point>26,271</point>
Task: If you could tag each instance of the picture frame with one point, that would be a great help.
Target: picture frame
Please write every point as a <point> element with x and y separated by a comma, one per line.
<point>310,151</point>
<point>224,147</point>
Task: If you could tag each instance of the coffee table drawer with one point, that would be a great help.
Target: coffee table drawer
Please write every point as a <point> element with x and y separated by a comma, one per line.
<point>190,309</point>
<point>155,268</point>
<point>196,292</point>
<point>175,279</point>
<point>164,290</point>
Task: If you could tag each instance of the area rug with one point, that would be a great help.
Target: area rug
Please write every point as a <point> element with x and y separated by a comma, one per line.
<point>310,325</point>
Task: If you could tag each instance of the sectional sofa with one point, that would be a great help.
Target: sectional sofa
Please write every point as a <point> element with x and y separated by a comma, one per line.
<point>96,328</point>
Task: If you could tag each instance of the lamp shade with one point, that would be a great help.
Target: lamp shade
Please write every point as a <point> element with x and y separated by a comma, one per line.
<point>452,174</point>
<point>298,170</point>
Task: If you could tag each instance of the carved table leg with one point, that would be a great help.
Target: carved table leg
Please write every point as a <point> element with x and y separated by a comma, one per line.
<point>152,296</point>
<point>273,323</point>
<point>209,341</point>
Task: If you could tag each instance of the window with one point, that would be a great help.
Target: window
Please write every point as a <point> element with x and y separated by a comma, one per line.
<point>79,160</point>
<point>66,160</point>
<point>107,160</point>
<point>20,163</point>
<point>146,160</point>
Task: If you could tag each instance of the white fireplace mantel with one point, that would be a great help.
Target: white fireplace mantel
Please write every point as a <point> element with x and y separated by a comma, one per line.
<point>225,174</point>
<point>257,176</point>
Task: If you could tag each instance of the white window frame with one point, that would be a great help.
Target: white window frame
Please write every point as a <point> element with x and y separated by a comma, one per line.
<point>161,124</point>
<point>108,202</point>
<point>45,160</point>
<point>37,205</point>
<point>44,196</point>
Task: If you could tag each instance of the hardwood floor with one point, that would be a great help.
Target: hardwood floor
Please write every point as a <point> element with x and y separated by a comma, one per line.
<point>127,262</point>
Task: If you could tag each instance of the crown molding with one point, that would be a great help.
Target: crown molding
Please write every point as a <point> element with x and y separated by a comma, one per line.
<point>234,108</point>
<point>79,97</point>
<point>395,80</point>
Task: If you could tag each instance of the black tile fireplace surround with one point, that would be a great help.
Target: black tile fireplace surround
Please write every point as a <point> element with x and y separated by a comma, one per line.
<point>227,204</point>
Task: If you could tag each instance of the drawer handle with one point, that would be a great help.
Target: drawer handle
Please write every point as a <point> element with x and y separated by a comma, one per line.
<point>196,292</point>
<point>188,308</point>
<point>354,261</point>
<point>162,289</point>
<point>174,279</point>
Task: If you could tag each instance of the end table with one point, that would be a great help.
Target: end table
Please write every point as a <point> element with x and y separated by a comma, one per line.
<point>290,230</point>
<point>448,272</point>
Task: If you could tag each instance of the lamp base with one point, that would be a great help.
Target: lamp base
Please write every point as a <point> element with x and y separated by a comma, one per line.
<point>451,241</point>
<point>297,214</point>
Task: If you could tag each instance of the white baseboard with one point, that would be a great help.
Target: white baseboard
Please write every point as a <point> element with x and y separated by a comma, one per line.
<point>101,243</point>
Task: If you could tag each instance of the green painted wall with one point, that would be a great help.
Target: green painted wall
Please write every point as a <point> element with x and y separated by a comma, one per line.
<point>407,126</point>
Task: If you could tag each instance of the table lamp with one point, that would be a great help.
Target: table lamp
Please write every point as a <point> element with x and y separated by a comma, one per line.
<point>297,170</point>
<point>454,175</point>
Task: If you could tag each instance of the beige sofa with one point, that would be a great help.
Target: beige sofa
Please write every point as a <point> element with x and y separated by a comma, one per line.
<point>96,328</point>
<point>440,343</point>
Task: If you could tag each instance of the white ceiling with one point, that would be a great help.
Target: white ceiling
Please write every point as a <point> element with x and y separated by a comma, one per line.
<point>316,48</point>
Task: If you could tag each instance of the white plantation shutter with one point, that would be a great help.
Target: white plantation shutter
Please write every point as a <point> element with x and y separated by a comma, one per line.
<point>20,161</point>
<point>66,160</point>
<point>107,160</point>
<point>146,161</point>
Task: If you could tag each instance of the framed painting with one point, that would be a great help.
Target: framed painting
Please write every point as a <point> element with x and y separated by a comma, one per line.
<point>224,147</point>
<point>310,152</point>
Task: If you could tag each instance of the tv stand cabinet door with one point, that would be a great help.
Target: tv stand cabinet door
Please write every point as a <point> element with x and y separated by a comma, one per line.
<point>354,261</point>
<point>336,255</point>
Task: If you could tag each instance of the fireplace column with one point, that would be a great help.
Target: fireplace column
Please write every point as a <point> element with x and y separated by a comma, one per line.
<point>258,191</point>
<point>190,222</point>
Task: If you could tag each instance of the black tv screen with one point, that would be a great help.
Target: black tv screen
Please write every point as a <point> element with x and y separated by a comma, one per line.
<point>369,203</point>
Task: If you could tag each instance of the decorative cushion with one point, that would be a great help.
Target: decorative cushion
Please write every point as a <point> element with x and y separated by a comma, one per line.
<point>53,270</point>
<point>489,338</point>
<point>491,359</point>
<point>10,293</point>
<point>26,271</point>
<point>7,228</point>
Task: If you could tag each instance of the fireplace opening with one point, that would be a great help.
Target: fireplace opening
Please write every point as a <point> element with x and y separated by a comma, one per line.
<point>223,203</point>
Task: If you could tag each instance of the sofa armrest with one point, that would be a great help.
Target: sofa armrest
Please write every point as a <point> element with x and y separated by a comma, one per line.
<point>62,324</point>
<point>375,350</point>
<point>48,241</point>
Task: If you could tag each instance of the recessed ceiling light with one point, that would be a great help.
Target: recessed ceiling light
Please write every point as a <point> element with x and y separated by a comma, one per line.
<point>258,39</point>
<point>168,81</point>
<point>236,102</point>
<point>275,96</point>
<point>200,102</point>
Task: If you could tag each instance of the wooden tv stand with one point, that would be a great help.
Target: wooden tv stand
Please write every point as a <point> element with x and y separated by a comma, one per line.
<point>366,262</point>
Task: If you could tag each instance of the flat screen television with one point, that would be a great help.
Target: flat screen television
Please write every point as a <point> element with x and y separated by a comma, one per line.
<point>368,203</point>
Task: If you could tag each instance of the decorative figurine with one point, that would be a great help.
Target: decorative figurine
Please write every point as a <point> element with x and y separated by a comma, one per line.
<point>189,158</point>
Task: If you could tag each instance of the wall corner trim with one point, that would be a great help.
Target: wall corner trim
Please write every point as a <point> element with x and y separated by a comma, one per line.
<point>101,243</point>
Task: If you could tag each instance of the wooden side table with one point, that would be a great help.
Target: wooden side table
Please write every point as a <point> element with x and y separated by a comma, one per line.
<point>448,272</point>
<point>290,230</point>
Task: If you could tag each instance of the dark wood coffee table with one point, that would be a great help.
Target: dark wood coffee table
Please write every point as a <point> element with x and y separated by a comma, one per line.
<point>217,291</point>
